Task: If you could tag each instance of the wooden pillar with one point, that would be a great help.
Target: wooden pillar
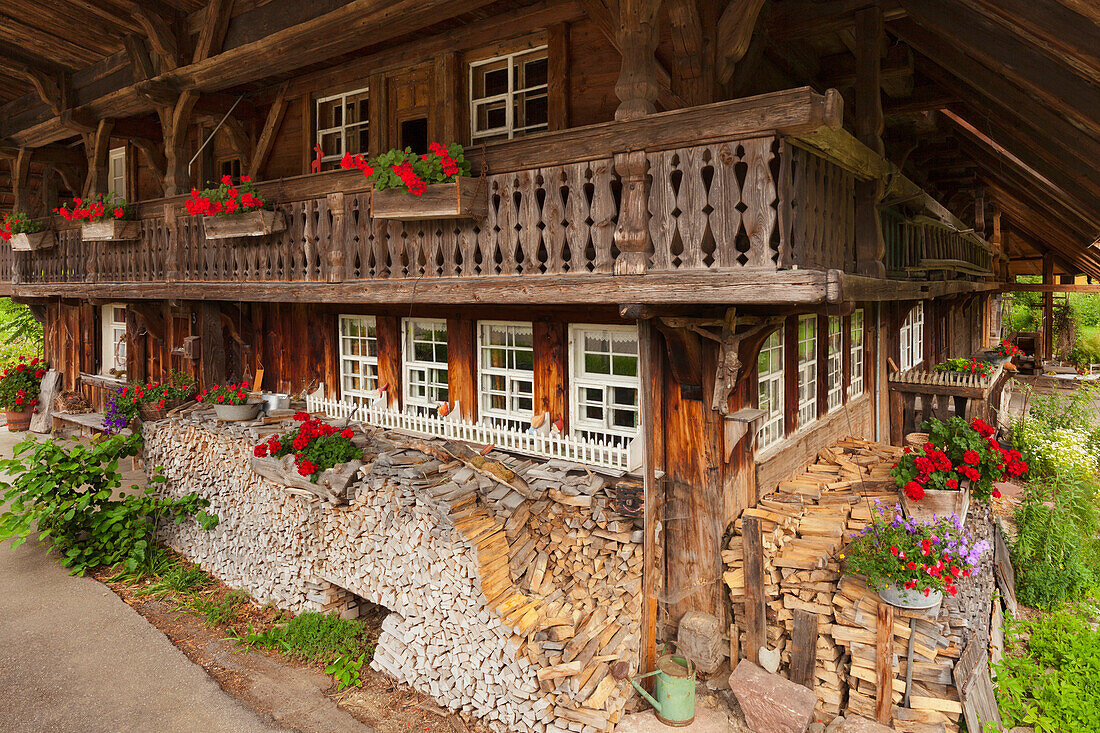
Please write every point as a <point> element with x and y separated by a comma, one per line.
<point>551,366</point>
<point>652,424</point>
<point>213,344</point>
<point>869,124</point>
<point>97,147</point>
<point>557,86</point>
<point>755,604</point>
<point>336,257</point>
<point>632,232</point>
<point>637,86</point>
<point>389,357</point>
<point>175,120</point>
<point>1048,307</point>
<point>136,348</point>
<point>20,179</point>
<point>462,365</point>
<point>884,664</point>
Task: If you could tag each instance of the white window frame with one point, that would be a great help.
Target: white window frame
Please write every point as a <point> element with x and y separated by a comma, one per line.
<point>834,362</point>
<point>515,379</point>
<point>507,97</point>
<point>770,388</point>
<point>807,371</point>
<point>113,340</point>
<point>116,184</point>
<point>366,360</point>
<point>912,338</point>
<point>430,401</point>
<point>342,128</point>
<point>855,377</point>
<point>583,427</point>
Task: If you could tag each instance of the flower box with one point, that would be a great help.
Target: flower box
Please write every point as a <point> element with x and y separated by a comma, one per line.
<point>331,485</point>
<point>27,241</point>
<point>941,503</point>
<point>258,223</point>
<point>463,198</point>
<point>111,230</point>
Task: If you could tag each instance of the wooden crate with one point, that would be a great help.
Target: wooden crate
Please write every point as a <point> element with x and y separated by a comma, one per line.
<point>25,242</point>
<point>110,230</point>
<point>249,224</point>
<point>464,197</point>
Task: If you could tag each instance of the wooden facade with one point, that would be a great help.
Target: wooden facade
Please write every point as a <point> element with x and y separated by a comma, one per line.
<point>691,170</point>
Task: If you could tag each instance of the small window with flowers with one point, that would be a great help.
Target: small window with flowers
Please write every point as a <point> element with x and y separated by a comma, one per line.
<point>509,96</point>
<point>342,126</point>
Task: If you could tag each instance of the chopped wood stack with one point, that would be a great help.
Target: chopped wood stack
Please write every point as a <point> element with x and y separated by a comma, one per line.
<point>803,526</point>
<point>515,588</point>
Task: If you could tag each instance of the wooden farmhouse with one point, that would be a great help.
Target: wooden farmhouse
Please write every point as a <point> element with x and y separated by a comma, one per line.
<point>701,233</point>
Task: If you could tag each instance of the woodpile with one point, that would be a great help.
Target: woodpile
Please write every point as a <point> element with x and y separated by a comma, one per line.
<point>514,587</point>
<point>803,526</point>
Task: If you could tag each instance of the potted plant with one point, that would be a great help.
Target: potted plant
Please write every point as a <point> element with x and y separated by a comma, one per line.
<point>105,217</point>
<point>315,456</point>
<point>25,234</point>
<point>1003,353</point>
<point>912,563</point>
<point>234,210</point>
<point>435,185</point>
<point>960,460</point>
<point>231,402</point>
<point>966,366</point>
<point>19,387</point>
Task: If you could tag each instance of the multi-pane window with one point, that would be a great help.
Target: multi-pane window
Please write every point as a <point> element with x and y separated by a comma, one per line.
<point>603,362</point>
<point>855,382</point>
<point>506,365</point>
<point>425,364</point>
<point>508,96</point>
<point>116,171</point>
<point>807,369</point>
<point>358,358</point>
<point>912,337</point>
<point>113,324</point>
<point>834,374</point>
<point>342,121</point>
<point>769,370</point>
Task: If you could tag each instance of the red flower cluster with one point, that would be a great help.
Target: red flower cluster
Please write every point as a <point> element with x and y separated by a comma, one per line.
<point>17,223</point>
<point>348,162</point>
<point>1007,348</point>
<point>225,199</point>
<point>18,388</point>
<point>96,209</point>
<point>450,165</point>
<point>228,394</point>
<point>310,430</point>
<point>413,182</point>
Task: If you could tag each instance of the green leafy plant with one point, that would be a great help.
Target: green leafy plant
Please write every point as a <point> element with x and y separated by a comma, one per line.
<point>19,327</point>
<point>408,170</point>
<point>19,385</point>
<point>316,446</point>
<point>66,494</point>
<point>921,556</point>
<point>965,366</point>
<point>215,611</point>
<point>179,577</point>
<point>345,670</point>
<point>18,223</point>
<point>1050,677</point>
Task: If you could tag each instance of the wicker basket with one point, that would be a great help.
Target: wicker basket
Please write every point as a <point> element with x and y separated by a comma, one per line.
<point>149,412</point>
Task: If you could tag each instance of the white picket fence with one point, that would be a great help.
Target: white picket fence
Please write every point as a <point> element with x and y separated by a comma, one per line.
<point>592,453</point>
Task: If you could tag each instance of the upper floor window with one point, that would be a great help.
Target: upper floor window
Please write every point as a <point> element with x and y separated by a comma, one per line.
<point>116,171</point>
<point>769,385</point>
<point>603,363</point>
<point>834,374</point>
<point>807,369</point>
<point>358,357</point>
<point>113,325</point>
<point>912,337</point>
<point>506,365</point>
<point>425,364</point>
<point>342,121</point>
<point>855,381</point>
<point>508,96</point>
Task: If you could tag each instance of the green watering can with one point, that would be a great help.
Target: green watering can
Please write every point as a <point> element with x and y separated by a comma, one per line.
<point>674,690</point>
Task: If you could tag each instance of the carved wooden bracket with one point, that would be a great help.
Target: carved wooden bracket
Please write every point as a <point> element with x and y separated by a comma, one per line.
<point>152,321</point>
<point>685,357</point>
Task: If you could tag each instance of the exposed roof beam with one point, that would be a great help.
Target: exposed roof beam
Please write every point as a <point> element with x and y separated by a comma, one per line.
<point>796,19</point>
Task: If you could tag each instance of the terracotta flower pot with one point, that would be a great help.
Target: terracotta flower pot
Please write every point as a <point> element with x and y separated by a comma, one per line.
<point>18,422</point>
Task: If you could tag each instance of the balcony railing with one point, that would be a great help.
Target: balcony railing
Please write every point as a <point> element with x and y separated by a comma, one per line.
<point>918,247</point>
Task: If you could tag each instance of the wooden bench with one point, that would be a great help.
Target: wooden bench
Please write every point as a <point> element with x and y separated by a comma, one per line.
<point>88,423</point>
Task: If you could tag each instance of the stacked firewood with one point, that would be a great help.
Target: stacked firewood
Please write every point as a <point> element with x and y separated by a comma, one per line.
<point>514,586</point>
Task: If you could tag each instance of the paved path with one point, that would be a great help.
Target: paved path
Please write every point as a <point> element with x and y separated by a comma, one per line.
<point>74,657</point>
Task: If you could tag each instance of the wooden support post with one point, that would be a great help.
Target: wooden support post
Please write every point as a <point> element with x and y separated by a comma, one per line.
<point>97,147</point>
<point>551,352</point>
<point>869,124</point>
<point>804,647</point>
<point>755,606</point>
<point>213,344</point>
<point>20,179</point>
<point>884,665</point>
<point>175,119</point>
<point>637,36</point>
<point>557,86</point>
<point>653,446</point>
<point>135,348</point>
<point>389,357</point>
<point>337,265</point>
<point>1048,307</point>
<point>462,365</point>
<point>632,232</point>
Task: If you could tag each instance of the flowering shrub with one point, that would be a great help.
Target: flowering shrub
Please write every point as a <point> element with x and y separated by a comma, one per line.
<point>122,404</point>
<point>397,168</point>
<point>99,207</point>
<point>1007,348</point>
<point>316,446</point>
<point>955,451</point>
<point>1057,451</point>
<point>17,223</point>
<point>19,385</point>
<point>921,556</point>
<point>225,200</point>
<point>225,394</point>
<point>966,366</point>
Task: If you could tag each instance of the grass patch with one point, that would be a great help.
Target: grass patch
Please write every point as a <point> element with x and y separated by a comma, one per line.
<point>317,638</point>
<point>177,578</point>
<point>1050,678</point>
<point>215,611</point>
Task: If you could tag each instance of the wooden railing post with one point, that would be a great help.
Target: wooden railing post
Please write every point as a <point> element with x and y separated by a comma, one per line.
<point>91,271</point>
<point>337,265</point>
<point>632,232</point>
<point>172,244</point>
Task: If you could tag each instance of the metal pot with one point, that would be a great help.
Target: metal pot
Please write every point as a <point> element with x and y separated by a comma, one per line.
<point>275,401</point>
<point>235,413</point>
<point>901,597</point>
